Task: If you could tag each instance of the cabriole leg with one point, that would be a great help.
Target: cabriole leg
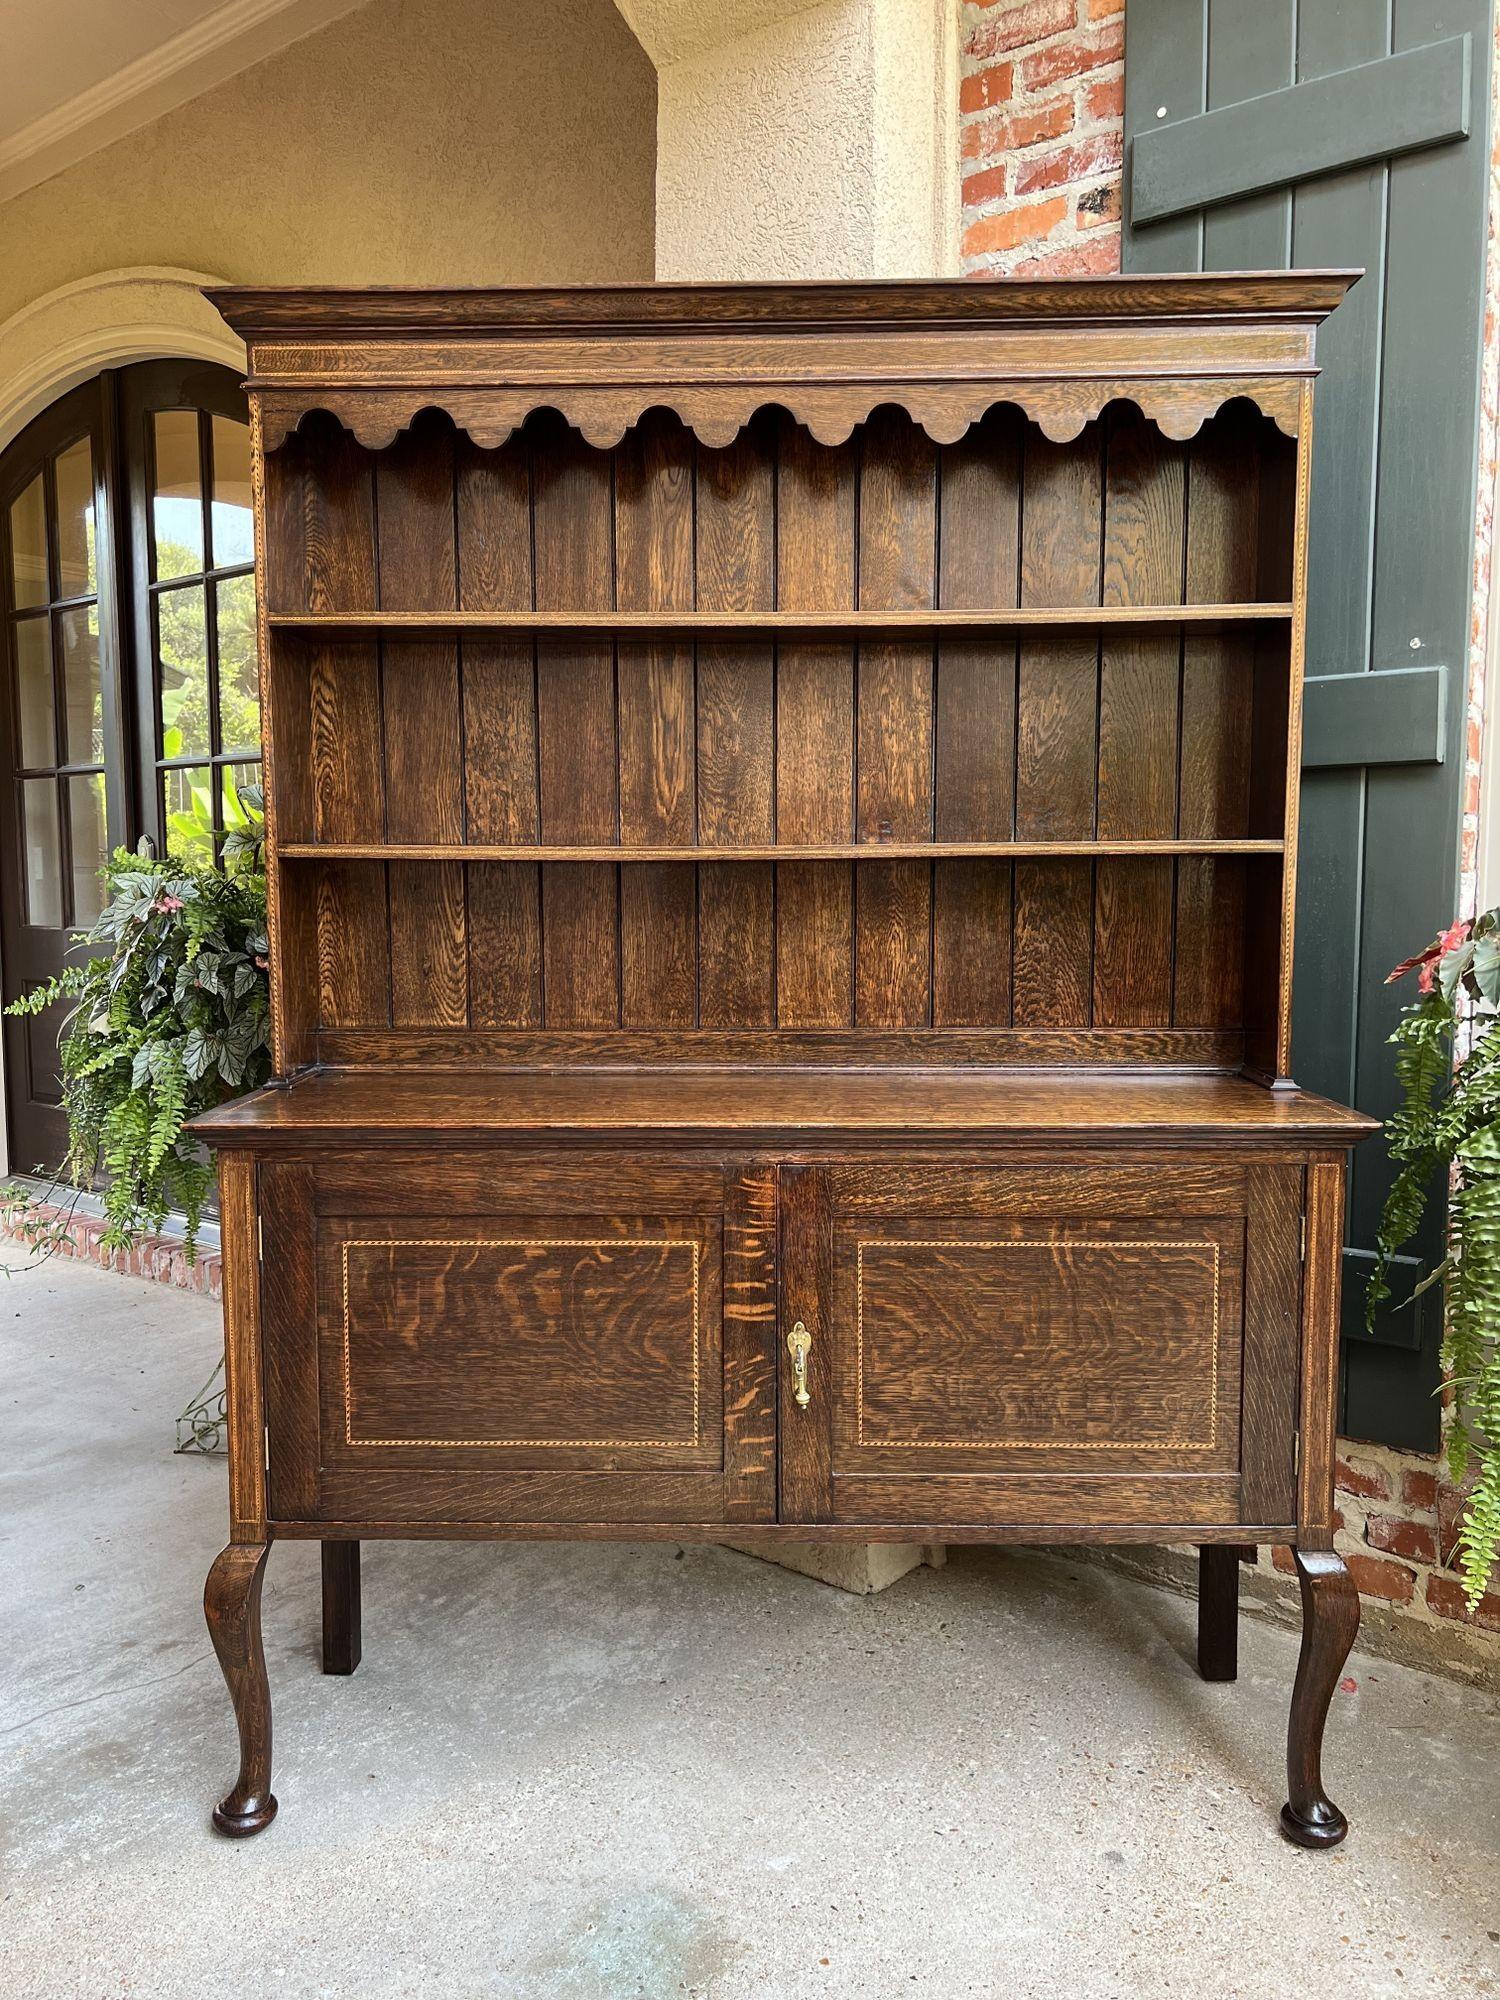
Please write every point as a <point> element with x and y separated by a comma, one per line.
<point>231,1604</point>
<point>341,1619</point>
<point>1218,1612</point>
<point>1330,1619</point>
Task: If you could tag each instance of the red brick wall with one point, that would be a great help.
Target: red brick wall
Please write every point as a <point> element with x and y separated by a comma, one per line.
<point>160,1258</point>
<point>1041,116</point>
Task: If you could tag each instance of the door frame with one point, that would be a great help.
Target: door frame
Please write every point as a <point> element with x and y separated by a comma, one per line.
<point>26,954</point>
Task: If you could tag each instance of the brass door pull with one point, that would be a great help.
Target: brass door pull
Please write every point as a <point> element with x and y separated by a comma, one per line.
<point>798,1341</point>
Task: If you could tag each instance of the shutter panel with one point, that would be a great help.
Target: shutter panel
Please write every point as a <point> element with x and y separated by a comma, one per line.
<point>1316,134</point>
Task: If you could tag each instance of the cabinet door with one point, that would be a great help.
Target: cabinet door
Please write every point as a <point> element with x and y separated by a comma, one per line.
<point>488,1338</point>
<point>1043,1346</point>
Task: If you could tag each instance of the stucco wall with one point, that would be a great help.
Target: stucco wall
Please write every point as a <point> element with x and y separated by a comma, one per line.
<point>798,142</point>
<point>458,141</point>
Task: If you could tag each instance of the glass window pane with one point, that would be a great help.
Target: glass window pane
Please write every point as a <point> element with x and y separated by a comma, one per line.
<point>182,665</point>
<point>87,828</point>
<point>83,701</point>
<point>233,526</point>
<point>28,547</point>
<point>33,637</point>
<point>177,501</point>
<point>43,853</point>
<point>239,681</point>
<point>233,777</point>
<point>188,796</point>
<point>73,472</point>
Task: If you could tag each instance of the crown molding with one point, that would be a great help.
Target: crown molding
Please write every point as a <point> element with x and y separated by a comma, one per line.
<point>231,39</point>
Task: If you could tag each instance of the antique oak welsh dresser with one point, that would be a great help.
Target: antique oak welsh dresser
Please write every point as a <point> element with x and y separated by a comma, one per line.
<point>782,810</point>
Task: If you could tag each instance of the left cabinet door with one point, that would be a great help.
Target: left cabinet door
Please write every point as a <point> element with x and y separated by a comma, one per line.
<point>482,1337</point>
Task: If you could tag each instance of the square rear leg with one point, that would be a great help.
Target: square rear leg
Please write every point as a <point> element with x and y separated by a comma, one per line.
<point>341,1615</point>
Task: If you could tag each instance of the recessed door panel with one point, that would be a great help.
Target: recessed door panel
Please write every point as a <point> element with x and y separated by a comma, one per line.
<point>504,1360</point>
<point>974,1340</point>
<point>1039,1347</point>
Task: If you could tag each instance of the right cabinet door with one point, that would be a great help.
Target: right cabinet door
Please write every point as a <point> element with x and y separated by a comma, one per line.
<point>1112,1344</point>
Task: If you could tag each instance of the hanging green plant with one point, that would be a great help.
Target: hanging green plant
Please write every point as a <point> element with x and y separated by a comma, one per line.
<point>1449,1122</point>
<point>170,1016</point>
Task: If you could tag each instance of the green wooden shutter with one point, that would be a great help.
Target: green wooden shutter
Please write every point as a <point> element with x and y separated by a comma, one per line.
<point>1308,132</point>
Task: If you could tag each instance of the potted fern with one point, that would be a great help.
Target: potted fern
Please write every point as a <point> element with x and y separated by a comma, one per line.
<point>1449,1122</point>
<point>170,1016</point>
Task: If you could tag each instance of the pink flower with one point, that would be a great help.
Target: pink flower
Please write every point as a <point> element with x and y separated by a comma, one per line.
<point>166,903</point>
<point>1454,936</point>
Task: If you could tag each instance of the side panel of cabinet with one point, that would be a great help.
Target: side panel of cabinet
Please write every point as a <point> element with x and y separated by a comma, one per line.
<point>484,1338</point>
<point>1028,1346</point>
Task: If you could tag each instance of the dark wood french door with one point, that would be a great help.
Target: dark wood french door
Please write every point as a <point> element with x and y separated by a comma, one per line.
<point>62,745</point>
<point>128,680</point>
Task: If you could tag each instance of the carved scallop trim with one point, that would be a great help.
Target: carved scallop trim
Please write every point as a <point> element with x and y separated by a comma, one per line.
<point>524,1243</point>
<point>717,413</point>
<point>1030,1243</point>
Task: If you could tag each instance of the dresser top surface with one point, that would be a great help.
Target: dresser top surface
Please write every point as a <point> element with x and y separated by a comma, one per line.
<point>789,1104</point>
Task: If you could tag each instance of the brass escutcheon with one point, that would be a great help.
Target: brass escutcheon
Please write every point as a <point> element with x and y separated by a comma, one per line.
<point>798,1341</point>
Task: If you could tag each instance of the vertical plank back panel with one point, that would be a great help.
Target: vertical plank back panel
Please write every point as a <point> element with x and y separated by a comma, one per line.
<point>499,721</point>
<point>1144,533</point>
<point>897,571</point>
<point>418,571</point>
<point>654,572</point>
<point>1056,717</point>
<point>975,751</point>
<point>576,718</point>
<point>815,571</point>
<point>1216,726</point>
<point>332,544</point>
<point>291,895</point>
<point>735,523</point>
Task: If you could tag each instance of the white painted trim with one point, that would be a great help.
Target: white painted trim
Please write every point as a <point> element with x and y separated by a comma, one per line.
<point>219,46</point>
<point>103,321</point>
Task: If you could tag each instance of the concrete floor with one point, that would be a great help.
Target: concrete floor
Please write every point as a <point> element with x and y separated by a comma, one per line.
<point>595,1773</point>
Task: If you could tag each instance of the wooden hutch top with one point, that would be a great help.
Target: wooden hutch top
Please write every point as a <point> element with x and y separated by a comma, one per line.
<point>777,680</point>
<point>830,353</point>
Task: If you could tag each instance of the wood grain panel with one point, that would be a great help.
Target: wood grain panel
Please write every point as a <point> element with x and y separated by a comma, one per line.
<point>322,542</point>
<point>815,571</point>
<point>244,1347</point>
<point>1063,1188</point>
<point>289,1293</point>
<point>658,752</point>
<point>979,500</point>
<point>1323,1271</point>
<point>424,763</point>
<point>1025,1500</point>
<point>734,512</point>
<point>975,1343</point>
<point>1273,1311</point>
<point>576,727</point>
<point>361,1183</point>
<point>499,722</point>
<point>1144,534</point>
<point>750,1270</point>
<point>894,725</point>
<point>354,952</point>
<point>804,1457</point>
<point>1223,491</point>
<point>1056,718</point>
<point>568,1500</point>
<point>590,1337</point>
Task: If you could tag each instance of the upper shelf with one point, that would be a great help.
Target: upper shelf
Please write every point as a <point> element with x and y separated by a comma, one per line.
<point>776,624</point>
